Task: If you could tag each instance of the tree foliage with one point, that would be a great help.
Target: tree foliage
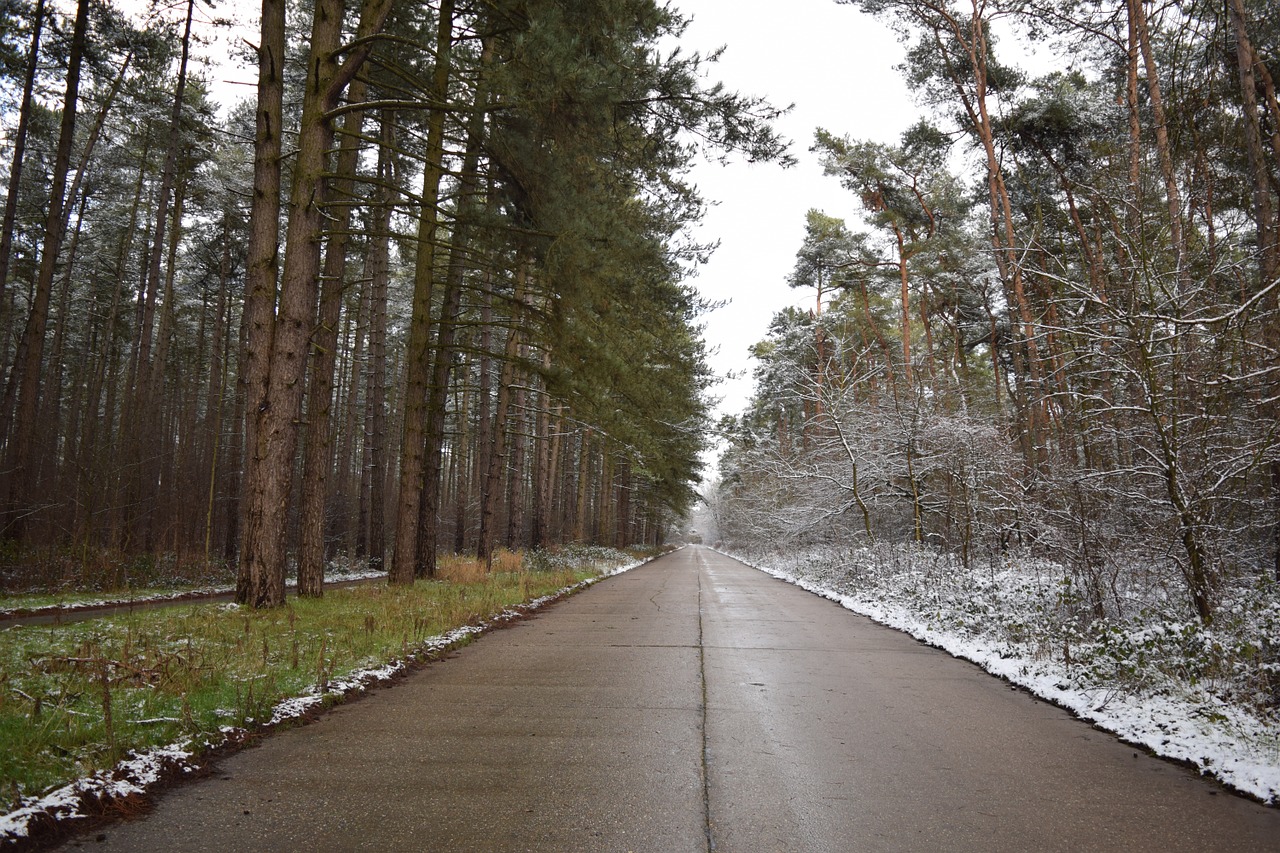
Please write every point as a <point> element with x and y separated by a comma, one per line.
<point>1085,362</point>
<point>440,256</point>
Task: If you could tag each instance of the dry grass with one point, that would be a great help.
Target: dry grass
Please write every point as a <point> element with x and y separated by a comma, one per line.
<point>459,568</point>
<point>508,562</point>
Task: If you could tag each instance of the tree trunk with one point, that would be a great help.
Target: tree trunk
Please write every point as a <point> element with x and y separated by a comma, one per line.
<point>215,402</point>
<point>455,494</point>
<point>1263,211</point>
<point>319,456</point>
<point>373,477</point>
<point>145,394</point>
<point>19,154</point>
<point>262,265</point>
<point>446,329</point>
<point>55,379</point>
<point>484,413</point>
<point>497,454</point>
<point>158,452</point>
<point>1004,241</point>
<point>277,414</point>
<point>1173,196</point>
<point>903,280</point>
<point>1275,516</point>
<point>236,456</point>
<point>460,462</point>
<point>516,468</point>
<point>623,535</point>
<point>404,559</point>
<point>556,480</point>
<point>603,527</point>
<point>584,471</point>
<point>543,466</point>
<point>25,377</point>
<point>349,408</point>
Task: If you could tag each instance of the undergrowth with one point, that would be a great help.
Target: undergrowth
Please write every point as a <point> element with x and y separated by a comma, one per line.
<point>59,571</point>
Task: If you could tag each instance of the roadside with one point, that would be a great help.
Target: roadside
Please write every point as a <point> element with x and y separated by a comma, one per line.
<point>1179,690</point>
<point>273,668</point>
<point>74,611</point>
<point>31,610</point>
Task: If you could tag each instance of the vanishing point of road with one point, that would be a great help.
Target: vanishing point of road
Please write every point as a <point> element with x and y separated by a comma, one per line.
<point>696,704</point>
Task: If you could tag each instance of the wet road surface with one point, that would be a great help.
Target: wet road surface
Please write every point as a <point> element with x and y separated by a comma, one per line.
<point>696,704</point>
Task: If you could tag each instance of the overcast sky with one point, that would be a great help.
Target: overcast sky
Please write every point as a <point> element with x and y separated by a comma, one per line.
<point>837,67</point>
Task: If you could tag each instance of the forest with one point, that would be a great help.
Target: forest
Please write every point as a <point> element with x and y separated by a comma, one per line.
<point>1052,329</point>
<point>423,292</point>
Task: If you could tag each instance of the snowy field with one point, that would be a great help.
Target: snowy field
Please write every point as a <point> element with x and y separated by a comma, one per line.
<point>1206,695</point>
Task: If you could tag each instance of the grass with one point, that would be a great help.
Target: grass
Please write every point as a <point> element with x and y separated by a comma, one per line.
<point>76,698</point>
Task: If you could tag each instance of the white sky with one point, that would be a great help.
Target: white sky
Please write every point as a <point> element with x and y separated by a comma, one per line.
<point>837,66</point>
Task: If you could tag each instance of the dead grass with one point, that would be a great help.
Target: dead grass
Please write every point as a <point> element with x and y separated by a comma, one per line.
<point>505,561</point>
<point>459,568</point>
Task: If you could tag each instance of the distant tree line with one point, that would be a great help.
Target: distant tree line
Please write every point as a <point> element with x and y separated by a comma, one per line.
<point>422,293</point>
<point>1055,330</point>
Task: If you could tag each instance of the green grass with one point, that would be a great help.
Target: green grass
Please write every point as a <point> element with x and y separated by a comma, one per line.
<point>76,698</point>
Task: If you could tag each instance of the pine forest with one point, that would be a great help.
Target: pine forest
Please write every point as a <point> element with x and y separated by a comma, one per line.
<point>422,293</point>
<point>1052,328</point>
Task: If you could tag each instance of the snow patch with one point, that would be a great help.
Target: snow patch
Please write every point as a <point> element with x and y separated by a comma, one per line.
<point>134,775</point>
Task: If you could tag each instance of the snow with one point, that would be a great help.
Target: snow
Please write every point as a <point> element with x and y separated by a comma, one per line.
<point>142,771</point>
<point>134,775</point>
<point>1220,738</point>
<point>157,596</point>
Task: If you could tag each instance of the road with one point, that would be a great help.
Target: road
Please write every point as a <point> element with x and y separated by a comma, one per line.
<point>696,704</point>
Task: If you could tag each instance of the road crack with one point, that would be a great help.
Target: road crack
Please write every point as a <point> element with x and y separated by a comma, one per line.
<point>706,746</point>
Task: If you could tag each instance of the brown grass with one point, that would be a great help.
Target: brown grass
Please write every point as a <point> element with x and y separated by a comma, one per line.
<point>460,568</point>
<point>508,562</point>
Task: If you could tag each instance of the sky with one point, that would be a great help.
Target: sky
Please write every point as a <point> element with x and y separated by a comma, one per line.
<point>836,66</point>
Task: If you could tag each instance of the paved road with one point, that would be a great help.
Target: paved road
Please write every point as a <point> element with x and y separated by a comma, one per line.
<point>695,704</point>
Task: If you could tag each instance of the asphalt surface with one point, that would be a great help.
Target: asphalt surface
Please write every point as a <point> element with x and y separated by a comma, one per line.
<point>695,704</point>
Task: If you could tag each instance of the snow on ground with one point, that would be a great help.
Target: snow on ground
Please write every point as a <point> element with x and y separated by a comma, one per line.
<point>1187,720</point>
<point>143,771</point>
<point>156,596</point>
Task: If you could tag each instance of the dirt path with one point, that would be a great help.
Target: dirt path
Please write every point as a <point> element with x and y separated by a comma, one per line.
<point>59,615</point>
<point>697,704</point>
